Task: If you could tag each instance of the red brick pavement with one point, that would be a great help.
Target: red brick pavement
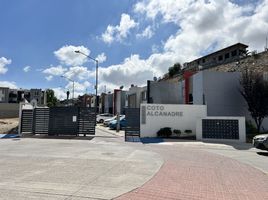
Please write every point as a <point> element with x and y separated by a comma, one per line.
<point>195,175</point>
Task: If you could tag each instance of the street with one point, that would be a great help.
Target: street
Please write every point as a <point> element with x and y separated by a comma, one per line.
<point>106,167</point>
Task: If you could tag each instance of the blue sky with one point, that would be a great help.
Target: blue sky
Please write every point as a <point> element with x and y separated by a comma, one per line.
<point>134,40</point>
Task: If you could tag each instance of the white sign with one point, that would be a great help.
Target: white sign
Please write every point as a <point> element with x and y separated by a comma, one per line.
<point>74,118</point>
<point>181,117</point>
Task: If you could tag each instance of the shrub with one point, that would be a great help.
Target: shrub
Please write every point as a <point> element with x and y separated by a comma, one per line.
<point>177,132</point>
<point>250,128</point>
<point>188,131</point>
<point>164,132</point>
<point>251,131</point>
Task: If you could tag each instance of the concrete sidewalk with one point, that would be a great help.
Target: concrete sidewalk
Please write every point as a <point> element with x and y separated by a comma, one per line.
<point>32,168</point>
<point>106,167</point>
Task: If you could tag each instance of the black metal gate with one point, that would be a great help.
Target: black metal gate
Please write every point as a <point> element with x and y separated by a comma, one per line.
<point>132,131</point>
<point>26,121</point>
<point>40,120</point>
<point>63,121</point>
<point>86,121</point>
<point>59,121</point>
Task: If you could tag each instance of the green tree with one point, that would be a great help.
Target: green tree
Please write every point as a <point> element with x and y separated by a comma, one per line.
<point>255,92</point>
<point>175,69</point>
<point>51,99</point>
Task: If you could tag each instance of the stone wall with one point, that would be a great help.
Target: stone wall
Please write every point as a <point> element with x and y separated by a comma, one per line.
<point>9,110</point>
<point>257,62</point>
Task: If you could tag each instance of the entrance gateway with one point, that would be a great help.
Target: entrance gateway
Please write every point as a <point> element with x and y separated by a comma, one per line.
<point>186,118</point>
<point>58,121</point>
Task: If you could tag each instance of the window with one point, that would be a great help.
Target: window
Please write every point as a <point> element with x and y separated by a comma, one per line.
<point>265,76</point>
<point>227,55</point>
<point>234,53</point>
<point>191,98</point>
<point>203,60</point>
<point>143,96</point>
<point>220,58</point>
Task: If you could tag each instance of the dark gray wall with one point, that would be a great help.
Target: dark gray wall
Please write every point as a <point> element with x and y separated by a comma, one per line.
<point>221,93</point>
<point>108,104</point>
<point>9,110</point>
<point>164,92</point>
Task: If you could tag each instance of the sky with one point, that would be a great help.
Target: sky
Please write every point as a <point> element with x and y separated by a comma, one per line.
<point>133,40</point>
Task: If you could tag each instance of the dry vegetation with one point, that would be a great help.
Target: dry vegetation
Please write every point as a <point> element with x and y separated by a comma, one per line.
<point>9,125</point>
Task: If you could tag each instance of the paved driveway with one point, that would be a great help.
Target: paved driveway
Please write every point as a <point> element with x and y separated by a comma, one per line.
<point>195,170</point>
<point>32,168</point>
<point>106,167</point>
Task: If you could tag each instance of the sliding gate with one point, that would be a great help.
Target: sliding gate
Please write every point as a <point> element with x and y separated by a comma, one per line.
<point>132,130</point>
<point>59,121</point>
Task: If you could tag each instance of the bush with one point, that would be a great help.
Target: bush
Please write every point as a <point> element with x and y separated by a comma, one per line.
<point>251,131</point>
<point>177,132</point>
<point>250,128</point>
<point>164,132</point>
<point>188,131</point>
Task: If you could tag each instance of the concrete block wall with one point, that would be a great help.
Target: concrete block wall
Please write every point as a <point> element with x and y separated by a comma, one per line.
<point>9,110</point>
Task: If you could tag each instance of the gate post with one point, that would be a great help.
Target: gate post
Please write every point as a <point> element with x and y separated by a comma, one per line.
<point>20,118</point>
<point>118,122</point>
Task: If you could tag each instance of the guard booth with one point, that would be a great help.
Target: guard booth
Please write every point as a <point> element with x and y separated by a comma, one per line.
<point>74,120</point>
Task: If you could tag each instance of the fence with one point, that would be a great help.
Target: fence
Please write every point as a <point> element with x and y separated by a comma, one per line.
<point>58,121</point>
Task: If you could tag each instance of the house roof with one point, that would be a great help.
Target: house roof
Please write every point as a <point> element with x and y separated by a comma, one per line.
<point>238,45</point>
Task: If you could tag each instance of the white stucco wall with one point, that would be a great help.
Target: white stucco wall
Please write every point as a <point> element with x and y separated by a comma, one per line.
<point>181,117</point>
<point>242,129</point>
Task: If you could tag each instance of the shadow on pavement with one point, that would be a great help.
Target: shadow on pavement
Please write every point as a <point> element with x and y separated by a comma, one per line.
<point>73,137</point>
<point>236,145</point>
<point>70,137</point>
<point>151,140</point>
<point>263,153</point>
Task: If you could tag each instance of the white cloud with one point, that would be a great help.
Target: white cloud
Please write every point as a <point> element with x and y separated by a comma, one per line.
<point>49,78</point>
<point>206,25</point>
<point>202,26</point>
<point>3,63</point>
<point>26,68</point>
<point>66,55</point>
<point>119,32</point>
<point>78,72</point>
<point>78,87</point>
<point>170,9</point>
<point>101,58</point>
<point>147,33</point>
<point>60,93</point>
<point>55,71</point>
<point>135,71</point>
<point>11,85</point>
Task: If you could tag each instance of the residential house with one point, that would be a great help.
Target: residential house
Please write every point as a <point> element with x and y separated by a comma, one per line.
<point>119,101</point>
<point>108,103</point>
<point>135,96</point>
<point>4,94</point>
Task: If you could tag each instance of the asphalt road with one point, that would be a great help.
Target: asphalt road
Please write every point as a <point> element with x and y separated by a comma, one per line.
<point>105,167</point>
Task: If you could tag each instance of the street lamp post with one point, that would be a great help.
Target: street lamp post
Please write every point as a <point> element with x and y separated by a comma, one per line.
<point>73,85</point>
<point>96,86</point>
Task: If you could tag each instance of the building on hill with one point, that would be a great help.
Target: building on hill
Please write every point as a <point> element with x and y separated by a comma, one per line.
<point>4,94</point>
<point>217,84</point>
<point>229,54</point>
